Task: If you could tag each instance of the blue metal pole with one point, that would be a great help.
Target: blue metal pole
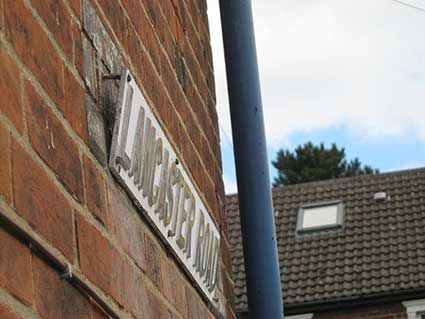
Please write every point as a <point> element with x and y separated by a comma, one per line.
<point>254,190</point>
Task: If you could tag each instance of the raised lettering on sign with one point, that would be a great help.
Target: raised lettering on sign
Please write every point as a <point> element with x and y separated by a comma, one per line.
<point>146,164</point>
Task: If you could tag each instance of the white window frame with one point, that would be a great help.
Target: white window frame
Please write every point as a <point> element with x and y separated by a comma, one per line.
<point>303,316</point>
<point>414,308</point>
<point>339,217</point>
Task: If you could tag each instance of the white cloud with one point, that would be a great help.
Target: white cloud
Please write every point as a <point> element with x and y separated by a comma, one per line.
<point>409,165</point>
<point>358,64</point>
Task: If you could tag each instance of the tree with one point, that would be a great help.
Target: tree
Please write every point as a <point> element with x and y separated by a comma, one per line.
<point>310,163</point>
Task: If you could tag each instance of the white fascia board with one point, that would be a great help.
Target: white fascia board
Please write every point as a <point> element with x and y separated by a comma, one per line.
<point>303,316</point>
<point>413,307</point>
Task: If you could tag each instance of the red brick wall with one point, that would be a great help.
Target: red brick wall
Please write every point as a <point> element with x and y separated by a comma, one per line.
<point>55,126</point>
<point>387,311</point>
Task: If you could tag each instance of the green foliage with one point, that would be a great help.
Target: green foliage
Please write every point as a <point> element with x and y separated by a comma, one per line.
<point>310,163</point>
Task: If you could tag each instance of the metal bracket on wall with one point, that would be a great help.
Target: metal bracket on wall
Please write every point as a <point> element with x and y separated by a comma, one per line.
<point>67,273</point>
<point>114,76</point>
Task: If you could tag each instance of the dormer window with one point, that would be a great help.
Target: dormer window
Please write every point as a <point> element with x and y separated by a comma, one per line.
<point>320,216</point>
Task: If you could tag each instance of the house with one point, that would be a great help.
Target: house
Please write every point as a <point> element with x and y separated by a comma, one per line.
<point>349,248</point>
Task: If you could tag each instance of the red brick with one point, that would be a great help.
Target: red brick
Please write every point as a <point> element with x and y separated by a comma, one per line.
<point>53,144</point>
<point>225,254</point>
<point>126,227</point>
<point>153,261</point>
<point>196,44</point>
<point>176,29</point>
<point>131,285</point>
<point>153,11</point>
<point>7,314</point>
<point>4,163</point>
<point>180,11</point>
<point>78,51</point>
<point>116,17</point>
<point>211,85</point>
<point>168,282</point>
<point>15,268</point>
<point>56,298</point>
<point>131,43</point>
<point>38,201</point>
<point>181,104</point>
<point>169,16</point>
<point>230,312</point>
<point>180,295</point>
<point>98,313</point>
<point>194,13</point>
<point>76,7</point>
<point>73,106</point>
<point>59,22</point>
<point>155,90</point>
<point>200,112</point>
<point>99,260</point>
<point>194,305</point>
<point>10,88</point>
<point>207,157</point>
<point>153,307</point>
<point>164,34</point>
<point>34,47</point>
<point>95,191</point>
<point>227,287</point>
<point>144,29</point>
<point>172,286</point>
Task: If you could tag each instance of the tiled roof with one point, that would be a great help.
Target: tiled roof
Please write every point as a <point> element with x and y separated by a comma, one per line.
<point>379,249</point>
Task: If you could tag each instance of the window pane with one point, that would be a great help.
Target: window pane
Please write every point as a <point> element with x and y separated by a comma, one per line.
<point>320,216</point>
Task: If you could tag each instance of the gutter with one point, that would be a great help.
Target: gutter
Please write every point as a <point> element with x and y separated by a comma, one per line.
<point>252,166</point>
<point>348,303</point>
<point>360,301</point>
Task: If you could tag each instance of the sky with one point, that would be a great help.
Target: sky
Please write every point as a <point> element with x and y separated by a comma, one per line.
<point>350,72</point>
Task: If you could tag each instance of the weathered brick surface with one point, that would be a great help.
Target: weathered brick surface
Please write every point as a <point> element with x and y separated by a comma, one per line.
<point>103,264</point>
<point>56,298</point>
<point>228,287</point>
<point>56,108</point>
<point>153,308</point>
<point>38,200</point>
<point>194,308</point>
<point>172,286</point>
<point>95,191</point>
<point>7,314</point>
<point>10,88</point>
<point>153,260</point>
<point>76,7</point>
<point>53,144</point>
<point>99,260</point>
<point>230,312</point>
<point>97,313</point>
<point>15,268</point>
<point>126,227</point>
<point>59,22</point>
<point>33,47</point>
<point>73,105</point>
<point>4,163</point>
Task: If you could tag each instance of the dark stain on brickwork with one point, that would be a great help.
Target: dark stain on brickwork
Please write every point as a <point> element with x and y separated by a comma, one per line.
<point>101,58</point>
